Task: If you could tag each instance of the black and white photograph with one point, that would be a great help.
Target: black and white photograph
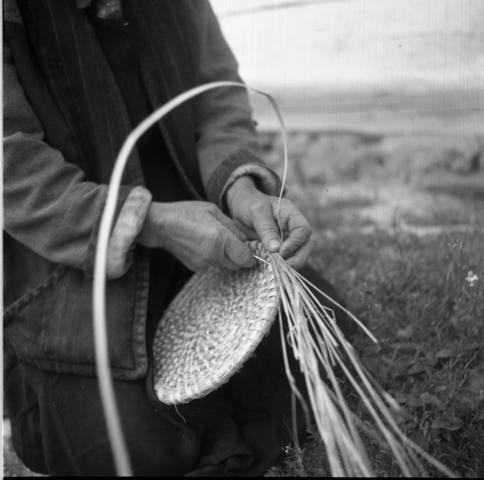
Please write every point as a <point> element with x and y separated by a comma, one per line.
<point>243,238</point>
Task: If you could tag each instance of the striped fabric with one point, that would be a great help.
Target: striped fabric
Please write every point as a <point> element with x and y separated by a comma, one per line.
<point>106,9</point>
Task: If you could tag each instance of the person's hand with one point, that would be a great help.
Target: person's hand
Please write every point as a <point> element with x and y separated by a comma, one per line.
<point>196,233</point>
<point>255,214</point>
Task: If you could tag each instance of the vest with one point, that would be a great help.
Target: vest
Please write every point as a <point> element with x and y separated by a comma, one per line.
<point>73,92</point>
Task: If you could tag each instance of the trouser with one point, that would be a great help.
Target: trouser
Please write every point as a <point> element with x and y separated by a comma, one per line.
<point>58,425</point>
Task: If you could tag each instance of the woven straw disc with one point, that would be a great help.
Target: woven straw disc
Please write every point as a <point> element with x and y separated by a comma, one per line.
<point>210,329</point>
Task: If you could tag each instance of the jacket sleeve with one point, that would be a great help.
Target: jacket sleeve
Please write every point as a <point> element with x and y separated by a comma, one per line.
<point>48,204</point>
<point>227,142</point>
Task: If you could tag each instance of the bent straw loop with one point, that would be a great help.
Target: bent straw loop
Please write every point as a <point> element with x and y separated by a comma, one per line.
<point>118,446</point>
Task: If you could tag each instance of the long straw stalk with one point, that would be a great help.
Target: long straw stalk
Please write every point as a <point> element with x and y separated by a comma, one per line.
<point>319,346</point>
<point>312,334</point>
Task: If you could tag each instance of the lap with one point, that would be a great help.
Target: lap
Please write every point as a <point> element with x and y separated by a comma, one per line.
<point>60,416</point>
<point>59,428</point>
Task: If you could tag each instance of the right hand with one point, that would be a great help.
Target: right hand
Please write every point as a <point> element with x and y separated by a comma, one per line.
<point>196,233</point>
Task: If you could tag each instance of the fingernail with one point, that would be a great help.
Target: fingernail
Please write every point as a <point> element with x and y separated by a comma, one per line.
<point>293,264</point>
<point>274,245</point>
<point>253,245</point>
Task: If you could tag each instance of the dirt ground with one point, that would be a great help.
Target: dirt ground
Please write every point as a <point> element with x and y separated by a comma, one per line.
<point>399,227</point>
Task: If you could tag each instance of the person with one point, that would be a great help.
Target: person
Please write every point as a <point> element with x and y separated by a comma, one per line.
<point>78,76</point>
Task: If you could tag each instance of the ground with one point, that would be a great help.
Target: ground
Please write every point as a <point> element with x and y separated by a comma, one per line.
<point>399,230</point>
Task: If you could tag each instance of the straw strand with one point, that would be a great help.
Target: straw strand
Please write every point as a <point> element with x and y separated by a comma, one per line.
<point>318,343</point>
<point>118,446</point>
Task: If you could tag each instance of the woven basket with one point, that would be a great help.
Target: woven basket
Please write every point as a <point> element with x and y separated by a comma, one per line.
<point>210,329</point>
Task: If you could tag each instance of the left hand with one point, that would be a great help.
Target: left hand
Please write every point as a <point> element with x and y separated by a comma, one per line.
<point>255,214</point>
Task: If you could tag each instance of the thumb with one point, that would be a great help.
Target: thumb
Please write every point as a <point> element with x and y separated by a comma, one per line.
<point>230,225</point>
<point>266,227</point>
<point>236,252</point>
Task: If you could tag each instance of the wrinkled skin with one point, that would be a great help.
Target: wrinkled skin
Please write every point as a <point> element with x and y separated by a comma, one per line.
<point>256,215</point>
<point>200,235</point>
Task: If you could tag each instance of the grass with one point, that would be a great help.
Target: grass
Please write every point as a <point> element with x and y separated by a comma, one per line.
<point>414,295</point>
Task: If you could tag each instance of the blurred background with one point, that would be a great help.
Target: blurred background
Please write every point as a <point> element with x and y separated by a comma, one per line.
<point>370,64</point>
<point>384,101</point>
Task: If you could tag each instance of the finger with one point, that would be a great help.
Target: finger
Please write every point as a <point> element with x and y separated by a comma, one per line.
<point>236,253</point>
<point>221,259</point>
<point>229,223</point>
<point>253,244</point>
<point>266,227</point>
<point>250,233</point>
<point>300,259</point>
<point>299,234</point>
<point>129,224</point>
<point>228,264</point>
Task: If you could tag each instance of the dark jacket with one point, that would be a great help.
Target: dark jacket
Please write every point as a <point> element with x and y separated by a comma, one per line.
<point>64,122</point>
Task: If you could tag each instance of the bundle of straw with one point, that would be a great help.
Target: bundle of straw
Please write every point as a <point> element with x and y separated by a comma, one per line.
<point>320,348</point>
<point>313,335</point>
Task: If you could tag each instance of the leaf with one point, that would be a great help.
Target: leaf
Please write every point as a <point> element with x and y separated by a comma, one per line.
<point>429,399</point>
<point>405,362</point>
<point>476,380</point>
<point>432,361</point>
<point>480,417</point>
<point>468,402</point>
<point>409,399</point>
<point>405,333</point>
<point>416,369</point>
<point>450,424</point>
<point>406,346</point>
<point>387,360</point>
<point>419,439</point>
<point>448,352</point>
<point>401,397</point>
<point>471,346</point>
<point>376,366</point>
<point>454,320</point>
